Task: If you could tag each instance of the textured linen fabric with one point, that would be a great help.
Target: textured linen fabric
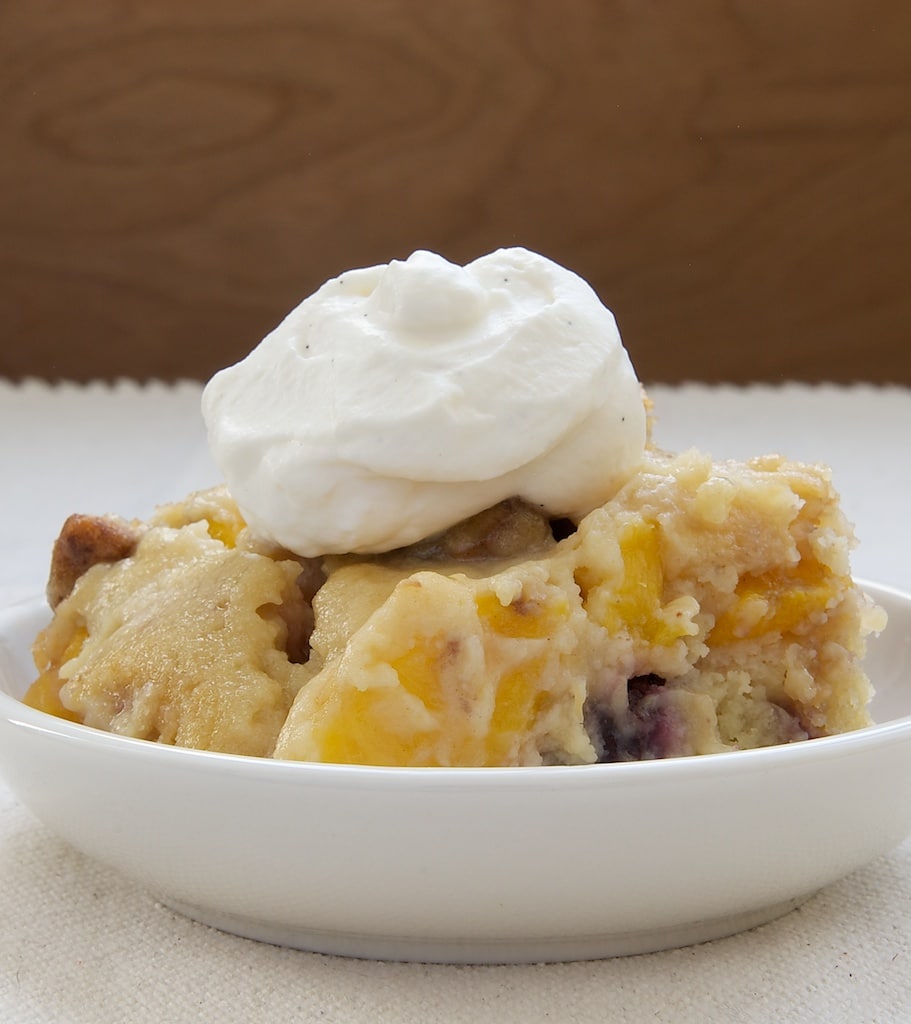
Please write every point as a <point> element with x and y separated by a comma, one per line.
<point>81,944</point>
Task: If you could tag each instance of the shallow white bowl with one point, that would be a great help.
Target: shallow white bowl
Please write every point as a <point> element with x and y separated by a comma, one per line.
<point>472,865</point>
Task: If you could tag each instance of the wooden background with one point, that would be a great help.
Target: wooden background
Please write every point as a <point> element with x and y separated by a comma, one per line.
<point>733,178</point>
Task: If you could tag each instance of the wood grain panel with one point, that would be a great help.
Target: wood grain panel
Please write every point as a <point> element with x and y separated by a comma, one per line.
<point>731,177</point>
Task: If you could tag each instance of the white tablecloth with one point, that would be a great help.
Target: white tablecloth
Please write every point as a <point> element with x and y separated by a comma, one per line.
<point>82,946</point>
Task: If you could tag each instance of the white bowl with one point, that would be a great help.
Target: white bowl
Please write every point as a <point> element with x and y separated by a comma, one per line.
<point>472,865</point>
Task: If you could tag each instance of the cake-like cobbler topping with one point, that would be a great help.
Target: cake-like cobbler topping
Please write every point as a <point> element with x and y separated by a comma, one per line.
<point>706,607</point>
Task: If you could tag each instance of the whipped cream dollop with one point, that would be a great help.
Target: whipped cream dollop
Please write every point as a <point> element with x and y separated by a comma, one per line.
<point>399,399</point>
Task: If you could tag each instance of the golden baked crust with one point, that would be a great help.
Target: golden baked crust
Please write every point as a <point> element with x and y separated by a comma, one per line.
<point>83,542</point>
<point>707,607</point>
<point>186,640</point>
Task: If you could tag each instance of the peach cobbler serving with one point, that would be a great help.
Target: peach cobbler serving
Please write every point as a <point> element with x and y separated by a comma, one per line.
<point>445,539</point>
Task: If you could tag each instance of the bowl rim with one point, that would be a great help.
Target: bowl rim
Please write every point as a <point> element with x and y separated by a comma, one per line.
<point>18,715</point>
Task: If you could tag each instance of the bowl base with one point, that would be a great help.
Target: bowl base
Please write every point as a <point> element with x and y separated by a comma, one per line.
<point>437,950</point>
